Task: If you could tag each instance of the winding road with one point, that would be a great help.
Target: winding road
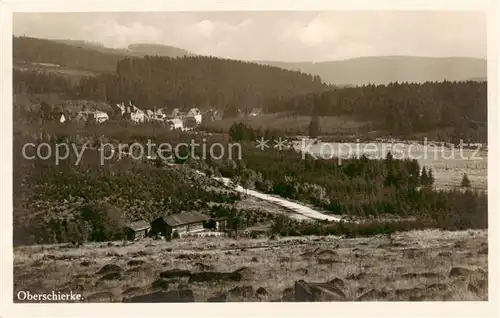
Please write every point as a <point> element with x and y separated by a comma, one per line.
<point>305,211</point>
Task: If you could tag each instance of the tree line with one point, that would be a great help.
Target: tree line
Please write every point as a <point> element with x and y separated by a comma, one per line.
<point>402,108</point>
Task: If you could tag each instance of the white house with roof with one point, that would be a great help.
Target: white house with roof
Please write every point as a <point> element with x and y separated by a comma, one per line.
<point>175,124</point>
<point>196,114</point>
<point>96,115</point>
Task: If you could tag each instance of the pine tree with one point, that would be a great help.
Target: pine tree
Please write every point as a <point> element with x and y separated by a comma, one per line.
<point>424,179</point>
<point>313,128</point>
<point>465,181</point>
<point>430,178</point>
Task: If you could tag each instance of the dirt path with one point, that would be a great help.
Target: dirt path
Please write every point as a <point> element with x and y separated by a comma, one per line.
<point>305,211</point>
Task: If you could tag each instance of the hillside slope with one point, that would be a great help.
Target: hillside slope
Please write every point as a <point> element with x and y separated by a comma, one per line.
<point>420,265</point>
<point>384,70</point>
<point>81,55</point>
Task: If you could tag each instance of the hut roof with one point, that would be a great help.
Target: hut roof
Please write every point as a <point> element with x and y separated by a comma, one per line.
<point>138,225</point>
<point>185,218</point>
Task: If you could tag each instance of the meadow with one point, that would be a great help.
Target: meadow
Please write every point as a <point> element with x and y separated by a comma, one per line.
<point>429,265</point>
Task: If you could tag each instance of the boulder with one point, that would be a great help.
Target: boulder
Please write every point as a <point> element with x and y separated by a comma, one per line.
<point>373,295</point>
<point>110,268</point>
<point>305,291</point>
<point>261,291</point>
<point>175,273</point>
<point>176,296</point>
<point>460,271</point>
<point>135,262</point>
<point>161,284</point>
<point>111,276</point>
<point>419,275</point>
<point>241,292</point>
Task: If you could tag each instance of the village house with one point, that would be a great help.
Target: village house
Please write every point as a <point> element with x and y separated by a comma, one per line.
<point>182,223</point>
<point>218,224</point>
<point>137,230</point>
<point>175,123</point>
<point>93,115</point>
<point>256,112</point>
<point>196,114</point>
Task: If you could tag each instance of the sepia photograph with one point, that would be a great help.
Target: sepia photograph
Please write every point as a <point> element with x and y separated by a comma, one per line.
<point>199,156</point>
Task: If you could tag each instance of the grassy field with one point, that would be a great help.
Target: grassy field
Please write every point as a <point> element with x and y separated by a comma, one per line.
<point>423,265</point>
<point>338,125</point>
<point>448,164</point>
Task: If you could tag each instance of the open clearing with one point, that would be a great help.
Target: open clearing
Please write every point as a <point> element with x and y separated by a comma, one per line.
<point>448,164</point>
<point>418,265</point>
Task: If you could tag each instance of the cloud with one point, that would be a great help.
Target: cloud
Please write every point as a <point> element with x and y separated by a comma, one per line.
<point>206,27</point>
<point>285,36</point>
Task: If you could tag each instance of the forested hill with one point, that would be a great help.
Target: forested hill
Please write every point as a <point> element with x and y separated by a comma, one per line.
<point>404,108</point>
<point>34,50</point>
<point>136,49</point>
<point>81,55</point>
<point>189,81</point>
<point>390,69</point>
<point>201,81</point>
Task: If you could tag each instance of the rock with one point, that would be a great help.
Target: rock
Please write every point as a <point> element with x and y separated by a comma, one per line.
<point>301,271</point>
<point>135,262</point>
<point>337,282</point>
<point>373,294</point>
<point>445,254</point>
<point>203,267</point>
<point>419,275</point>
<point>184,256</point>
<point>362,275</point>
<point>254,259</point>
<point>360,290</point>
<point>261,291</point>
<point>216,276</point>
<point>110,268</point>
<point>483,251</point>
<point>245,272</point>
<point>132,291</point>
<point>325,253</point>
<point>317,292</point>
<point>241,292</point>
<point>460,245</point>
<point>160,283</point>
<point>438,287</point>
<point>411,294</point>
<point>307,254</point>
<point>111,276</point>
<point>85,263</point>
<point>217,299</point>
<point>175,273</point>
<point>472,288</point>
<point>175,296</point>
<point>138,254</point>
<point>103,297</point>
<point>482,284</point>
<point>460,271</point>
<point>135,269</point>
<point>288,294</point>
<point>327,261</point>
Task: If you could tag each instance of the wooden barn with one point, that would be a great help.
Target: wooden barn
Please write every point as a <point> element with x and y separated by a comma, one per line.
<point>186,222</point>
<point>137,230</point>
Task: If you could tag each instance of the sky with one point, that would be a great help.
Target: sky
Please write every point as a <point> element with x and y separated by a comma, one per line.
<point>274,36</point>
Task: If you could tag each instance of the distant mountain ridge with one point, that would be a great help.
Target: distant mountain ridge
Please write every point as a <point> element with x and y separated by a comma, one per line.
<point>387,69</point>
<point>135,49</point>
<point>94,56</point>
